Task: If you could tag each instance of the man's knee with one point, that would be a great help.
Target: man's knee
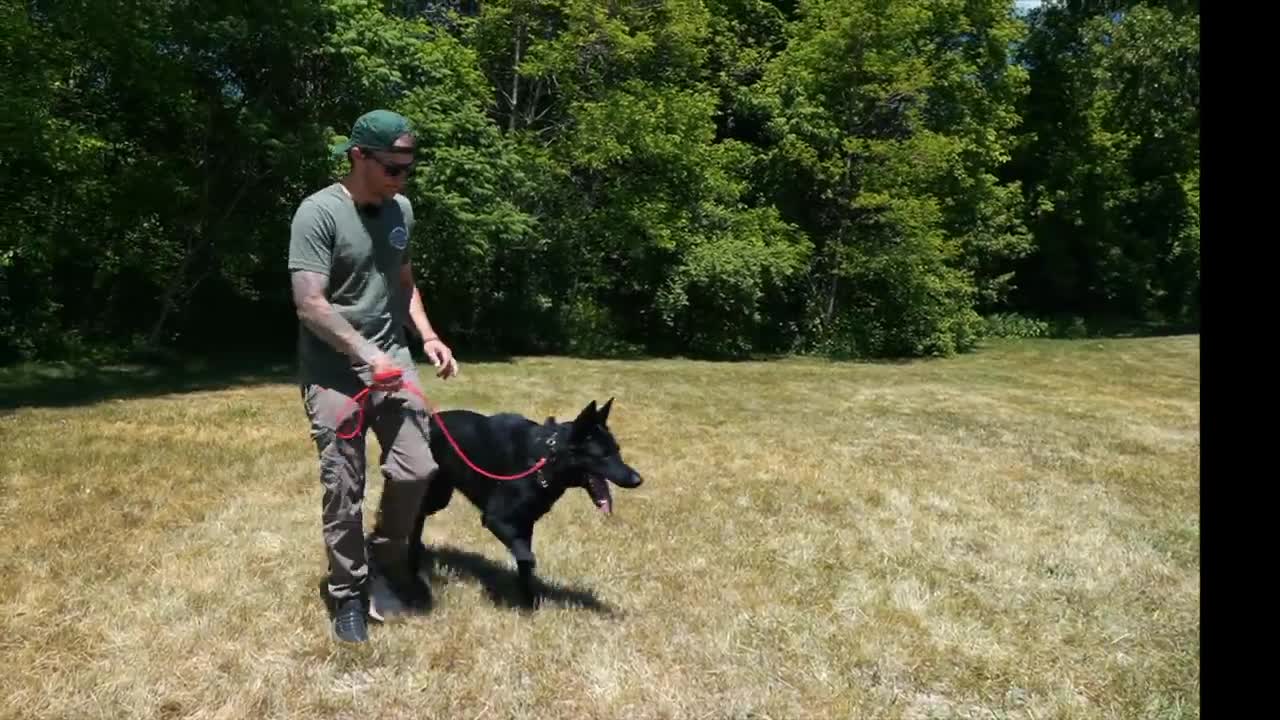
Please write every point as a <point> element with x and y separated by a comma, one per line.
<point>407,482</point>
<point>410,460</point>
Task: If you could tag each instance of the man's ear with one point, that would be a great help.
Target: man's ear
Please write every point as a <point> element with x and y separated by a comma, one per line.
<point>604,412</point>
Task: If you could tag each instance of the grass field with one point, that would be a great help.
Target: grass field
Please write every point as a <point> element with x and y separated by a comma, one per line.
<point>1009,534</point>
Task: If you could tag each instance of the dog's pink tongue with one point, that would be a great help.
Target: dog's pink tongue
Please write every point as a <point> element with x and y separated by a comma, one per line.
<point>606,507</point>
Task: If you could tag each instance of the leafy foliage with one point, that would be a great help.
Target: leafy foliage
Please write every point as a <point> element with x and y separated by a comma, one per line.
<point>888,123</point>
<point>705,177</point>
<point>1112,161</point>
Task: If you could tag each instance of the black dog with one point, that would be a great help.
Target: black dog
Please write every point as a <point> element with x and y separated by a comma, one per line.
<point>581,454</point>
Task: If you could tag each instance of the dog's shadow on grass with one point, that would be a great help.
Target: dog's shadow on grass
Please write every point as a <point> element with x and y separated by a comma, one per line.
<point>444,565</point>
<point>502,583</point>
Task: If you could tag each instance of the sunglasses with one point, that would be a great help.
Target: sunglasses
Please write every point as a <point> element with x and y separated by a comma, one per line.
<point>390,168</point>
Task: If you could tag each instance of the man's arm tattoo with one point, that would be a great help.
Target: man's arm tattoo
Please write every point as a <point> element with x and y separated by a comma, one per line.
<point>319,316</point>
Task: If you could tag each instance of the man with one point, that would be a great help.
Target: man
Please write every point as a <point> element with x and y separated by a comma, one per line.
<point>354,290</point>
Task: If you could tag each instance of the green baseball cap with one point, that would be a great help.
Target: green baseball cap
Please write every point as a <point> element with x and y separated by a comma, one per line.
<point>377,130</point>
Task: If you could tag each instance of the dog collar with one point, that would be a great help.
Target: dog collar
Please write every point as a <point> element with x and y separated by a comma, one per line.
<point>551,443</point>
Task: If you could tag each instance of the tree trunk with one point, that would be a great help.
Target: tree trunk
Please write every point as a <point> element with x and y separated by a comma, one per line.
<point>515,79</point>
<point>831,299</point>
<point>167,301</point>
<point>207,232</point>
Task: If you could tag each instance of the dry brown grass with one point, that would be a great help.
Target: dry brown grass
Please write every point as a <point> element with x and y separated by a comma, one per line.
<point>1010,534</point>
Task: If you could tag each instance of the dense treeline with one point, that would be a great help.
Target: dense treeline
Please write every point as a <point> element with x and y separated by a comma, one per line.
<point>706,177</point>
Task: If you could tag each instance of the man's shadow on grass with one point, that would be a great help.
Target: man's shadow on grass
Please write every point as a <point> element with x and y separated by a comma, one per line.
<point>77,384</point>
<point>501,584</point>
<point>62,384</point>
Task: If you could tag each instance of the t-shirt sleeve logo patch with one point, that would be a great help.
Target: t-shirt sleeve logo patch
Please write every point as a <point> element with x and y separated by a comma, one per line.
<point>399,238</point>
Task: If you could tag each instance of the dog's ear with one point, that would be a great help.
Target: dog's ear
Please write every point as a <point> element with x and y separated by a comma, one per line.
<point>604,412</point>
<point>551,420</point>
<point>585,421</point>
<point>588,414</point>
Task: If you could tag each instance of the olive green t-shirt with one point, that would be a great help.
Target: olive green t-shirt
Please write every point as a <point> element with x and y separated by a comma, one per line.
<point>363,254</point>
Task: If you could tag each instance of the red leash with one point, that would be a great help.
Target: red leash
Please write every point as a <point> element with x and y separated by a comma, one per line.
<point>434,411</point>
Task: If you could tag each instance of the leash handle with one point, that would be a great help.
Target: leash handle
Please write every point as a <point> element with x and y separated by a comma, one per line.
<point>388,376</point>
<point>434,411</point>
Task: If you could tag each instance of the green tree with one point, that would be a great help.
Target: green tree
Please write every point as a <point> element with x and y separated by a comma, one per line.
<point>713,177</point>
<point>652,239</point>
<point>1112,160</point>
<point>157,132</point>
<point>889,124</point>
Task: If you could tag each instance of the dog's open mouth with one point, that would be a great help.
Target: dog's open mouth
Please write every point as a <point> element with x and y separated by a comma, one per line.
<point>598,489</point>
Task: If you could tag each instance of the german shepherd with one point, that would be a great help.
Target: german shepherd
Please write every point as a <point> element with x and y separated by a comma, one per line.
<point>582,454</point>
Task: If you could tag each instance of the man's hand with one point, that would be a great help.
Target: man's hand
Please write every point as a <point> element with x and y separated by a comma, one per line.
<point>387,376</point>
<point>439,353</point>
<point>442,357</point>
